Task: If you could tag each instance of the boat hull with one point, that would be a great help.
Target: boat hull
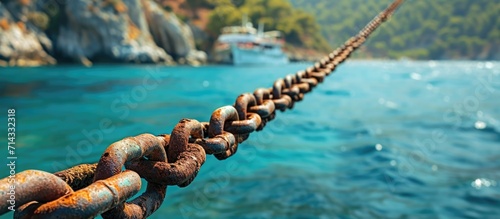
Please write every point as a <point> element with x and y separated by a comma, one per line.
<point>252,56</point>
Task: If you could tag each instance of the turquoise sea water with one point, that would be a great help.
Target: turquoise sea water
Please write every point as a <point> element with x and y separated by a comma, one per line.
<point>378,139</point>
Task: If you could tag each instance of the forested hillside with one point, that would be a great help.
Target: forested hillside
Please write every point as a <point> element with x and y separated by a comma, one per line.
<point>430,29</point>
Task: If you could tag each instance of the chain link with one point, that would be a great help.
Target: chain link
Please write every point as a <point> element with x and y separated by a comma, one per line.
<point>87,190</point>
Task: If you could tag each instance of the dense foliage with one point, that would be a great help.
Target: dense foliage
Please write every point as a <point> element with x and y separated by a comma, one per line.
<point>300,28</point>
<point>432,29</point>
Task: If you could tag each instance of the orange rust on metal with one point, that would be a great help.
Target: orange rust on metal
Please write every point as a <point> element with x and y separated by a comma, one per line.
<point>180,173</point>
<point>311,81</point>
<point>35,185</point>
<point>249,122</point>
<point>265,109</point>
<point>219,117</point>
<point>131,148</point>
<point>260,94</point>
<point>179,138</point>
<point>247,126</point>
<point>303,87</point>
<point>142,206</point>
<point>319,76</point>
<point>78,177</point>
<point>89,202</point>
<point>293,92</point>
<point>278,86</point>
<point>218,136</point>
<point>283,103</point>
<point>243,102</point>
<point>166,141</point>
<point>179,169</point>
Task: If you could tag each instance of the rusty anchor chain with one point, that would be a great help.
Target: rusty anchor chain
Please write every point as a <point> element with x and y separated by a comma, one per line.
<point>87,190</point>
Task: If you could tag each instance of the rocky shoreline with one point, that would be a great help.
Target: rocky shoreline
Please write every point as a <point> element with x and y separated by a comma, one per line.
<point>46,32</point>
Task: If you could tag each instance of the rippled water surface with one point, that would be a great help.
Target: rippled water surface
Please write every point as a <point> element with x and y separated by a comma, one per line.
<point>375,140</point>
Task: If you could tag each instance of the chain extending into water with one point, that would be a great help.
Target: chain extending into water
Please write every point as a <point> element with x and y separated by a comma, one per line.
<point>87,190</point>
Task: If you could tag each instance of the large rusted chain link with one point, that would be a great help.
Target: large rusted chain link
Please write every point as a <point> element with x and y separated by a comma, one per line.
<point>36,186</point>
<point>87,190</point>
<point>88,202</point>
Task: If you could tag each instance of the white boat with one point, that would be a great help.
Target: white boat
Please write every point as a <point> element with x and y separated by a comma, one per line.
<point>240,45</point>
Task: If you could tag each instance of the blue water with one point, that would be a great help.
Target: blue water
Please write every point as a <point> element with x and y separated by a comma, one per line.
<point>378,139</point>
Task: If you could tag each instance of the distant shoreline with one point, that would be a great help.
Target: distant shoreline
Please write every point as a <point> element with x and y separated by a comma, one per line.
<point>216,64</point>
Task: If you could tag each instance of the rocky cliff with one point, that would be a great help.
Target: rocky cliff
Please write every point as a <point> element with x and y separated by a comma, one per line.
<point>83,31</point>
<point>21,42</point>
<point>172,34</point>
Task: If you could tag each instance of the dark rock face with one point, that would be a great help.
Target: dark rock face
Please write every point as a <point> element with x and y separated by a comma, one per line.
<point>116,31</point>
<point>21,42</point>
<point>172,34</point>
